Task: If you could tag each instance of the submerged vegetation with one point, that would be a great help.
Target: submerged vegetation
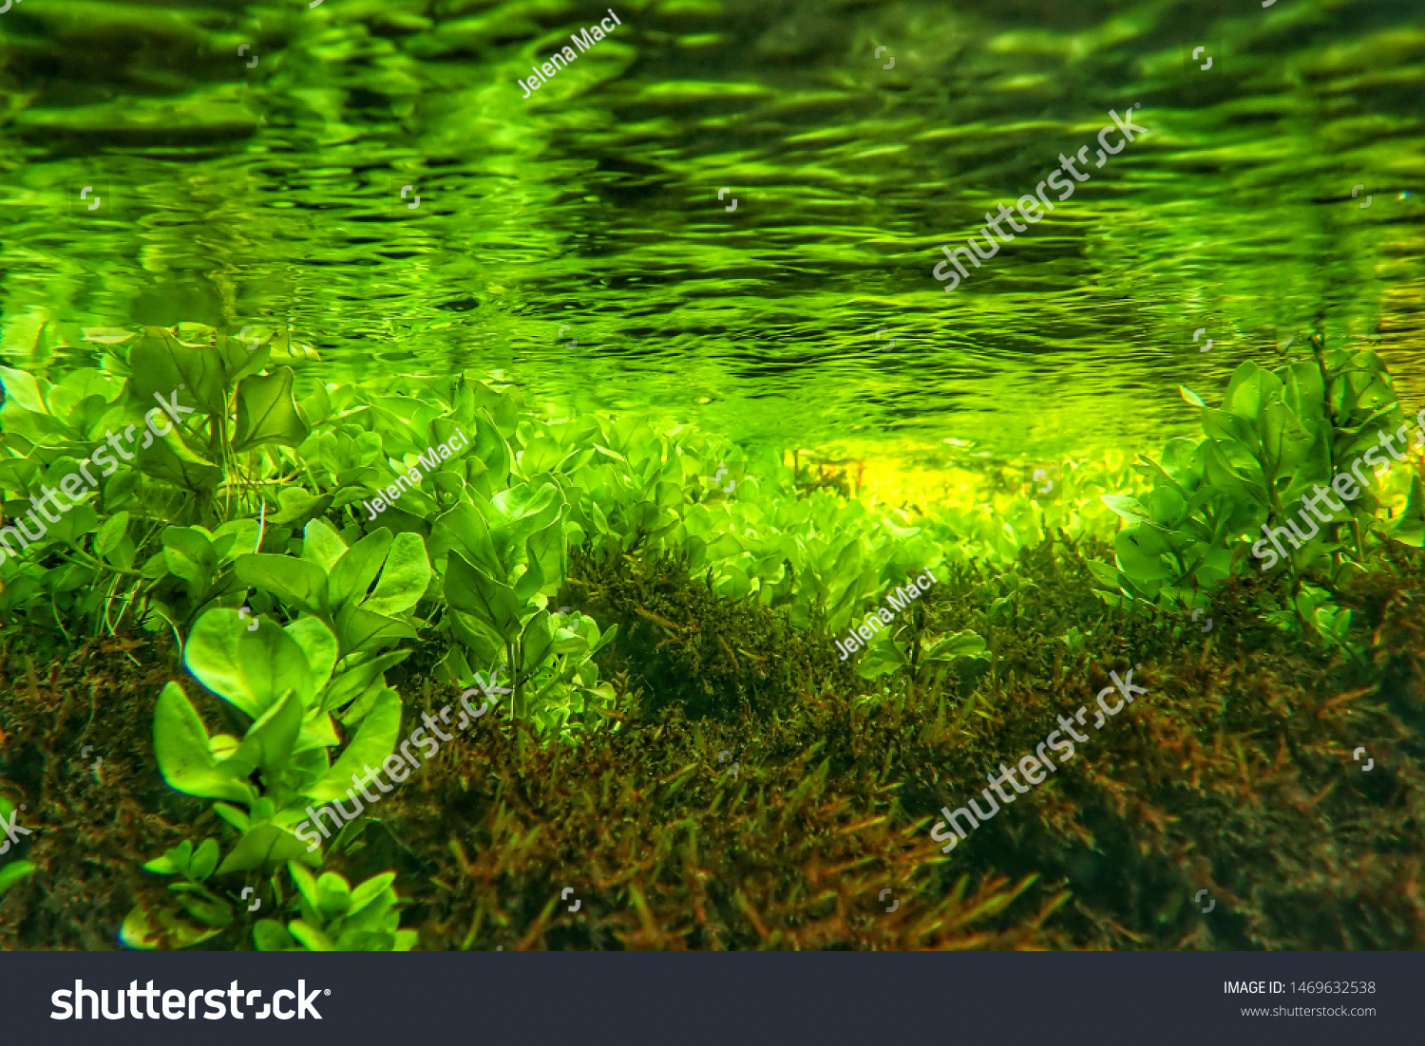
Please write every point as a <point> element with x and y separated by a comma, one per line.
<point>239,638</point>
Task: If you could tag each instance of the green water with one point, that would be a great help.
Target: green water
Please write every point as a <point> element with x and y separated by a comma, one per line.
<point>730,215</point>
<point>575,241</point>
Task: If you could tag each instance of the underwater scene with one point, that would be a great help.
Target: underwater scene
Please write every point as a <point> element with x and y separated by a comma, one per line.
<point>534,475</point>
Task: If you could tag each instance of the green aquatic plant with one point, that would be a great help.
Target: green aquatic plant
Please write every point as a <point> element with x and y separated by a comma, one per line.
<point>1278,437</point>
<point>1314,611</point>
<point>628,484</point>
<point>483,589</point>
<point>281,686</point>
<point>1015,508</point>
<point>925,660</point>
<point>192,914</point>
<point>335,916</point>
<point>503,557</point>
<point>499,520</point>
<point>218,422</point>
<point>363,593</point>
<point>331,915</point>
<point>13,870</point>
<point>261,550</point>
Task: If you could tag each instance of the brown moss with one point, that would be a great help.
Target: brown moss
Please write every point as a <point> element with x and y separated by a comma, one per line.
<point>1234,774</point>
<point>92,827</point>
<point>681,644</point>
<point>666,846</point>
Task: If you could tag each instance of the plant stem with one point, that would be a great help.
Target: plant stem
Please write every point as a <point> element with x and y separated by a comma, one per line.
<point>89,561</point>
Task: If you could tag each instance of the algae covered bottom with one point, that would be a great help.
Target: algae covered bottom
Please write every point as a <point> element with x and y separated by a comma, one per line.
<point>443,510</point>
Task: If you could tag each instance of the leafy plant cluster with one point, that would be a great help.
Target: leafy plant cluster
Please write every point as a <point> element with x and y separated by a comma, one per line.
<point>330,915</point>
<point>1014,509</point>
<point>244,530</point>
<point>497,521</point>
<point>1278,436</point>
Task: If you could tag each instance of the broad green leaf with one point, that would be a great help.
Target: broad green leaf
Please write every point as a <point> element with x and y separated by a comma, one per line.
<point>110,534</point>
<point>362,631</point>
<point>163,927</point>
<point>269,741</point>
<point>298,506</point>
<point>333,895</point>
<point>320,648</point>
<point>161,364</point>
<point>1105,574</point>
<point>269,935</point>
<point>233,815</point>
<point>305,881</point>
<point>519,512</point>
<point>880,658</point>
<point>370,890</point>
<point>470,589</point>
<point>1127,507</point>
<point>603,640</point>
<point>957,644</point>
<point>204,860</point>
<point>547,549</point>
<point>204,910</point>
<point>374,741</point>
<point>22,389</point>
<point>181,745</point>
<point>1226,427</point>
<point>537,643</point>
<point>404,579</point>
<point>295,582</point>
<point>352,574</point>
<point>1409,529</point>
<point>1144,554</point>
<point>172,460</point>
<point>165,864</point>
<point>265,844</point>
<point>465,529</point>
<point>267,413</point>
<point>235,538</point>
<point>12,873</point>
<point>1250,388</point>
<point>240,357</point>
<point>322,546</point>
<point>189,555</point>
<point>350,684</point>
<point>310,937</point>
<point>251,668</point>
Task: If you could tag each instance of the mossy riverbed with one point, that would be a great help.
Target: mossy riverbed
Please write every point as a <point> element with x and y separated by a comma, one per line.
<point>684,758</point>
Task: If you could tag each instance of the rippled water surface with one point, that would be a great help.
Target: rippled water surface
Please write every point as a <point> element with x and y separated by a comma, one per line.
<point>249,162</point>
